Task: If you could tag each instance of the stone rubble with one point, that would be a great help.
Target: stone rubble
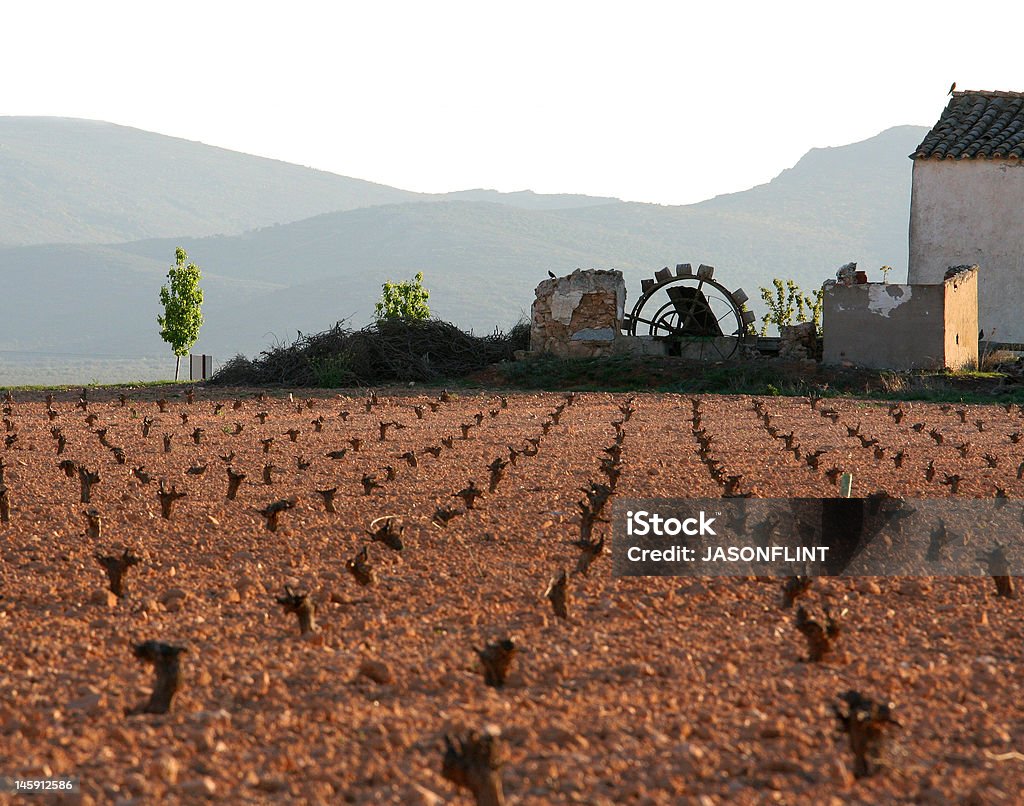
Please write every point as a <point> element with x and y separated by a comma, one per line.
<point>798,342</point>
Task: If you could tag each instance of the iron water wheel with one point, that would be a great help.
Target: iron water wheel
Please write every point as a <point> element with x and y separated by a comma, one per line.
<point>693,313</point>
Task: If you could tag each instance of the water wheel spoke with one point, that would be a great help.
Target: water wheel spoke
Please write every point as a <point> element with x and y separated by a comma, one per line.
<point>665,327</point>
<point>735,333</point>
<point>640,319</point>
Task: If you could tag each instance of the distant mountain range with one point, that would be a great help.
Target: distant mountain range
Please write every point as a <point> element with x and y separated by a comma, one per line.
<point>90,215</point>
<point>64,180</point>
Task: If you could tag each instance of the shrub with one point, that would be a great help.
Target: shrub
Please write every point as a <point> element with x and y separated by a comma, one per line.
<point>788,304</point>
<point>405,300</point>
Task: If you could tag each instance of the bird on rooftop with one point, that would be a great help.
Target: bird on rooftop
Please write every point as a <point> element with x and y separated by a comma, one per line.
<point>951,88</point>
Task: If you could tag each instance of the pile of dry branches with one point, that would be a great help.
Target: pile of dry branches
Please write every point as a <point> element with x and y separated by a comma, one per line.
<point>386,351</point>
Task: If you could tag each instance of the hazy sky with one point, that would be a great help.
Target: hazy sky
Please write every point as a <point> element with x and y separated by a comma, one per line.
<point>659,102</point>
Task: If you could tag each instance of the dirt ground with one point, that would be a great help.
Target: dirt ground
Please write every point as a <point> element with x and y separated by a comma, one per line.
<point>653,691</point>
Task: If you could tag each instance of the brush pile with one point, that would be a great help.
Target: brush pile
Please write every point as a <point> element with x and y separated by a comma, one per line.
<point>386,351</point>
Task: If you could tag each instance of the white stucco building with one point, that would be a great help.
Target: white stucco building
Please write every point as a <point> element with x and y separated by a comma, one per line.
<point>967,204</point>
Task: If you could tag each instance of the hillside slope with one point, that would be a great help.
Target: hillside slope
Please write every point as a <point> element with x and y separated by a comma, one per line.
<point>64,180</point>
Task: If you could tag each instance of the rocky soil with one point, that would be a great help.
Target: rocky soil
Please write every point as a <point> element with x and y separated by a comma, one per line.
<point>652,691</point>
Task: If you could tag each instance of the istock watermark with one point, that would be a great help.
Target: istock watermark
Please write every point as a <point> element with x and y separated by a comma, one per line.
<point>642,523</point>
<point>873,536</point>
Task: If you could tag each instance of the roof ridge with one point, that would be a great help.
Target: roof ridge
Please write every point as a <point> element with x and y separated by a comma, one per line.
<point>989,93</point>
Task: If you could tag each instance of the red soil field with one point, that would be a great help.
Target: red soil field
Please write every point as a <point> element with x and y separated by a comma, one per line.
<point>654,691</point>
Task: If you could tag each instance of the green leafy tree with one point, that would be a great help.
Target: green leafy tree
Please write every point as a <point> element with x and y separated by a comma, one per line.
<point>404,300</point>
<point>787,302</point>
<point>182,299</point>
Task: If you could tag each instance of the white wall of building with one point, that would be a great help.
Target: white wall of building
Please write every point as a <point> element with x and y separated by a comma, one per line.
<point>972,211</point>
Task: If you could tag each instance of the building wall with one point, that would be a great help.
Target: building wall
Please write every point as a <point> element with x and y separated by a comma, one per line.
<point>961,320</point>
<point>883,326</point>
<point>972,212</point>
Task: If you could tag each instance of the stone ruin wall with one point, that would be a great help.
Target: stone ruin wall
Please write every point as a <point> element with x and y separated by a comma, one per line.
<point>799,342</point>
<point>580,315</point>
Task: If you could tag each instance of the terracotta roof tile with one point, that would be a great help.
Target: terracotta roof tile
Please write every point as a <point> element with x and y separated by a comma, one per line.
<point>985,124</point>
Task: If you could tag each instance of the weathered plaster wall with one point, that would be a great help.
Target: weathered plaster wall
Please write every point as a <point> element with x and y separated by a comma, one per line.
<point>578,315</point>
<point>882,326</point>
<point>972,212</point>
<point>860,328</point>
<point>962,319</point>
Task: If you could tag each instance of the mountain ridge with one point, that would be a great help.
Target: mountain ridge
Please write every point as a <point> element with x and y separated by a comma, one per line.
<point>73,180</point>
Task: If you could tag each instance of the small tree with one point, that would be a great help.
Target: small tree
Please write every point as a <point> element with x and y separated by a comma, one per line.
<point>788,301</point>
<point>404,300</point>
<point>182,299</point>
